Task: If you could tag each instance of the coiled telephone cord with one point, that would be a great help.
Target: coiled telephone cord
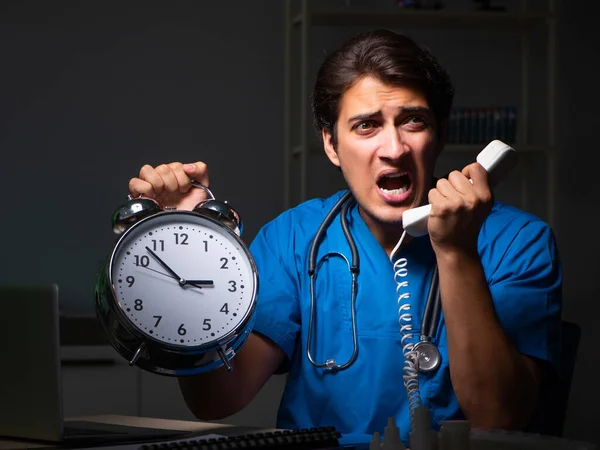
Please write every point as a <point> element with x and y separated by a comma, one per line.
<point>411,374</point>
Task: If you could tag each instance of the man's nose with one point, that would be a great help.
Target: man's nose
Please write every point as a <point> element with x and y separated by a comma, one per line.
<point>393,146</point>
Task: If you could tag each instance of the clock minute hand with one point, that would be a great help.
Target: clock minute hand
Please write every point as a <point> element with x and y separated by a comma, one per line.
<point>167,268</point>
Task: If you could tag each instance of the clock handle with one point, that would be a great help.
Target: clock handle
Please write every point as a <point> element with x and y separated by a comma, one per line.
<point>219,210</point>
<point>201,186</point>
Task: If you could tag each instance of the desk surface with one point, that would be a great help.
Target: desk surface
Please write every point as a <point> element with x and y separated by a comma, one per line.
<point>484,439</point>
<point>145,422</point>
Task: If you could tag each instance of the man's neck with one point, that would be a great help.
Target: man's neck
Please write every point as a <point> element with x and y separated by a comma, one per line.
<point>387,234</point>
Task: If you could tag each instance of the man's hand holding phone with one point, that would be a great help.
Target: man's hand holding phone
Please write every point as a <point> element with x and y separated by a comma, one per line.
<point>463,194</point>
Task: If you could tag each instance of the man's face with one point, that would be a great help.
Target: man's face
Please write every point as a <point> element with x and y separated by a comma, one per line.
<point>386,148</point>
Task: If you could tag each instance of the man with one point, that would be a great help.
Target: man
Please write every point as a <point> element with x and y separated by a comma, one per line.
<point>381,104</point>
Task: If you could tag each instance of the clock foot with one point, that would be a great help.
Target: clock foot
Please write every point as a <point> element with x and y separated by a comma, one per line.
<point>223,357</point>
<point>137,354</point>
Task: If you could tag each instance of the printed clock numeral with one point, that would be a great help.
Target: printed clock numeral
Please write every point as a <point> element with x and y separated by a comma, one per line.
<point>143,260</point>
<point>181,238</point>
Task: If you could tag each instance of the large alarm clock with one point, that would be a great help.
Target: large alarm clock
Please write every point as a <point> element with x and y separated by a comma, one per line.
<point>177,294</point>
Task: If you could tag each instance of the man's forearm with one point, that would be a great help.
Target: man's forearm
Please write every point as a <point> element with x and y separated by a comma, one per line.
<point>492,381</point>
<point>217,394</point>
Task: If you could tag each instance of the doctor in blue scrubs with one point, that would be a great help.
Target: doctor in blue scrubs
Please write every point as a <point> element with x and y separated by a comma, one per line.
<point>381,105</point>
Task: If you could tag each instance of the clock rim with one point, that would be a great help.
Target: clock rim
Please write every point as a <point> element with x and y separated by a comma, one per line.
<point>201,348</point>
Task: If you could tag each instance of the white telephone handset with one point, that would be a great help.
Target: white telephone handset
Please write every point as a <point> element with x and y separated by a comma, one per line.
<point>497,158</point>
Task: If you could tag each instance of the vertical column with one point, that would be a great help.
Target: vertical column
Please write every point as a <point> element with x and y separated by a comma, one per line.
<point>304,63</point>
<point>523,128</point>
<point>552,153</point>
<point>287,104</point>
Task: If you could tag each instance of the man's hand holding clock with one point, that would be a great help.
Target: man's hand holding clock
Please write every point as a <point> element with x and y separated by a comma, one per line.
<point>171,184</point>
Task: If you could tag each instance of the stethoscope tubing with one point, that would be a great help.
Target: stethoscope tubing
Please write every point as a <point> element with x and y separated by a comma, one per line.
<point>431,314</point>
<point>342,206</point>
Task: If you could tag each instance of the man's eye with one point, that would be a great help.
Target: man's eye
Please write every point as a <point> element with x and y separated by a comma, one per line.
<point>364,126</point>
<point>416,122</point>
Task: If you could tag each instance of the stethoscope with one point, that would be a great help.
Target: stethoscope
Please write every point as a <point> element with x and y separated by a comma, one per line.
<point>427,353</point>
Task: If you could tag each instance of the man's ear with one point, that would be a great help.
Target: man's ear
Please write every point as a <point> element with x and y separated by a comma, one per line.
<point>329,147</point>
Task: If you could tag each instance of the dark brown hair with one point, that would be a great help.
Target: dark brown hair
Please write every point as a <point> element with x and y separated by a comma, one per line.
<point>392,58</point>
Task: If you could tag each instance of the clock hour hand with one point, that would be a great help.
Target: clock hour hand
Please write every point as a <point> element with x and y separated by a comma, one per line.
<point>167,268</point>
<point>200,282</point>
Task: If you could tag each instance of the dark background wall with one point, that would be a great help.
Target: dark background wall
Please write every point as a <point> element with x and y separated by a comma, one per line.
<point>90,91</point>
<point>578,190</point>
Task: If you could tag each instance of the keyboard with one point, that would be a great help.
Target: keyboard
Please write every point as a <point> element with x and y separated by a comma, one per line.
<point>322,438</point>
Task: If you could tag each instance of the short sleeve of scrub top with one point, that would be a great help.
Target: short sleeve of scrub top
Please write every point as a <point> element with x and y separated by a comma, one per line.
<point>278,316</point>
<point>522,267</point>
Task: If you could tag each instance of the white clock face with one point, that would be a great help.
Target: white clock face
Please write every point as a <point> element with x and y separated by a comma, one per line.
<point>182,279</point>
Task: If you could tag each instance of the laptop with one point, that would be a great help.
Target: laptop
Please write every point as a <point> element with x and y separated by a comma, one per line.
<point>30,376</point>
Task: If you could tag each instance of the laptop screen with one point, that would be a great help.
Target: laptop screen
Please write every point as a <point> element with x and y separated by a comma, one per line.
<point>30,379</point>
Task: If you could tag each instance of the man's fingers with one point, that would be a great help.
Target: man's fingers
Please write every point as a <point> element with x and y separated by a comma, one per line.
<point>197,171</point>
<point>477,174</point>
<point>182,178</point>
<point>459,182</point>
<point>479,178</point>
<point>444,187</point>
<point>166,178</point>
<point>435,197</point>
<point>149,174</point>
<point>169,184</point>
<point>139,187</point>
<point>169,179</point>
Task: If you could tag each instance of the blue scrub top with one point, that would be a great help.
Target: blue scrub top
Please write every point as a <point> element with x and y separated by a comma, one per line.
<point>520,259</point>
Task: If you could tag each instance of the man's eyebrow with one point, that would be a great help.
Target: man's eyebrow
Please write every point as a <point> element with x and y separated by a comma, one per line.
<point>401,110</point>
<point>415,110</point>
<point>365,116</point>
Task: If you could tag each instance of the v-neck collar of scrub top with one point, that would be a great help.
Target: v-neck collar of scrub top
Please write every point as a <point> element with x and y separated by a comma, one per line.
<point>419,247</point>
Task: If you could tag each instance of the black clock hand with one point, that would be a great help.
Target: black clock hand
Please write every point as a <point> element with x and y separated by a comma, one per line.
<point>162,263</point>
<point>182,282</point>
<point>195,283</point>
<point>202,282</point>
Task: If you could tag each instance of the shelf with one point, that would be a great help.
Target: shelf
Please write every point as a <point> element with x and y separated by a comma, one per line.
<point>420,19</point>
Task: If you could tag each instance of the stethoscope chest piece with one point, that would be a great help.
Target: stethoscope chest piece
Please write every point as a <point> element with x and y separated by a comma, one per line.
<point>428,356</point>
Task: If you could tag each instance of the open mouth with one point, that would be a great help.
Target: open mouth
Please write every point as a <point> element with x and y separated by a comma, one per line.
<point>394,183</point>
